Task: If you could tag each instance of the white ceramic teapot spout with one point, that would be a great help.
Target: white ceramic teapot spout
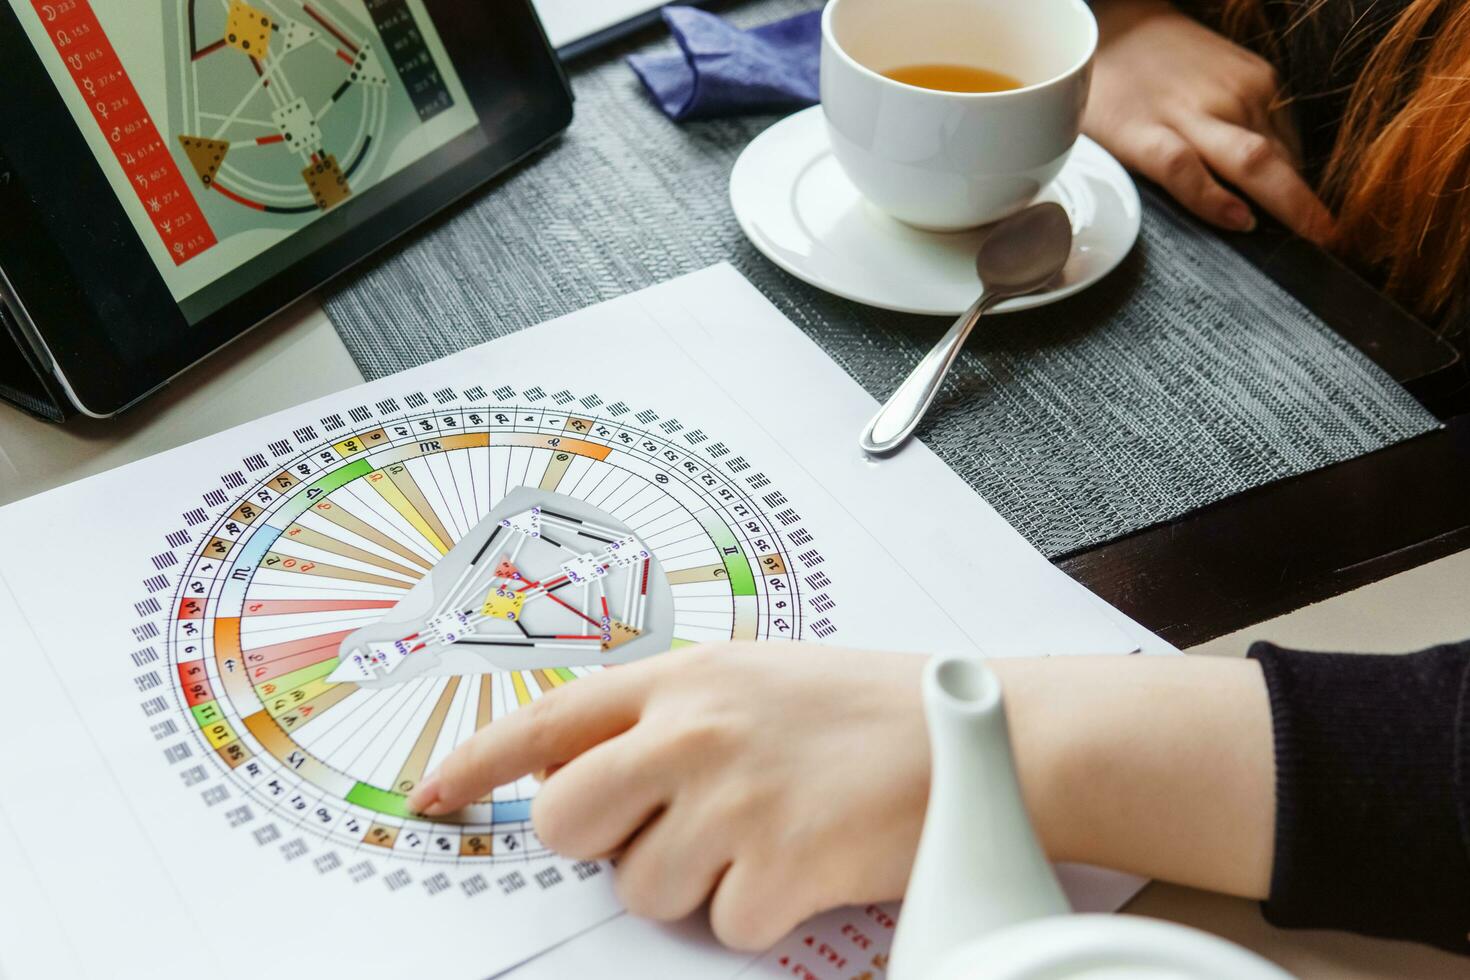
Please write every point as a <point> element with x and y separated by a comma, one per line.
<point>979,866</point>
<point>983,902</point>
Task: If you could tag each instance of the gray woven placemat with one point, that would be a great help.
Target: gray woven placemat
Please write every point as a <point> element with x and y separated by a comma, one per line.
<point>1185,377</point>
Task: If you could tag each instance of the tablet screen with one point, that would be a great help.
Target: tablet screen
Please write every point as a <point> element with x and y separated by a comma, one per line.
<point>227,129</point>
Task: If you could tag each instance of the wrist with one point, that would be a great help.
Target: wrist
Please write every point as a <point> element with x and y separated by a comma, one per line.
<point>1159,766</point>
<point>1047,749</point>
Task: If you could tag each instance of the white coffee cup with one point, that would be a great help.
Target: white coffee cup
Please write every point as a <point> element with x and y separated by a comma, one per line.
<point>952,160</point>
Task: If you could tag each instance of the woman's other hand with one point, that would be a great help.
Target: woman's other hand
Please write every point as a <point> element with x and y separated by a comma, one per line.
<point>773,779</point>
<point>1191,111</point>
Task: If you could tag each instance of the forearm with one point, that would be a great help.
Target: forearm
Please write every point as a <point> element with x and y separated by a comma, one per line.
<point>1160,766</point>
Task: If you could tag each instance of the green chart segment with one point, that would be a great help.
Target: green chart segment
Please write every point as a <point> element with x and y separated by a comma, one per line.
<point>319,490</point>
<point>396,804</point>
<point>378,800</point>
<point>737,565</point>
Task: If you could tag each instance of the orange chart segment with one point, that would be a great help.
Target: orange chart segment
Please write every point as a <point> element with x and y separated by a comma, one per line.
<point>310,538</point>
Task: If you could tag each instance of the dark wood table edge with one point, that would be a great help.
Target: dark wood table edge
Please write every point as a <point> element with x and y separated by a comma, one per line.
<point>1288,544</point>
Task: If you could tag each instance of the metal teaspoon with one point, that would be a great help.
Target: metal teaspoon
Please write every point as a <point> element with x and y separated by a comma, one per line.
<point>1021,254</point>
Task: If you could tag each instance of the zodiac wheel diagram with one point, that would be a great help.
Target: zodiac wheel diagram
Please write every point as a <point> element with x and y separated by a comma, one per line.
<point>284,103</point>
<point>382,586</point>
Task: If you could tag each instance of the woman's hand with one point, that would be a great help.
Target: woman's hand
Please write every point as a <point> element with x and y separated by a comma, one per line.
<point>1189,109</point>
<point>777,779</point>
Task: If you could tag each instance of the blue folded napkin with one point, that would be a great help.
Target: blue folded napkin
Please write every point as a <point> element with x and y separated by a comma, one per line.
<point>721,70</point>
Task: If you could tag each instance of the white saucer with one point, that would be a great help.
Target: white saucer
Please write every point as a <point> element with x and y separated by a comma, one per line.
<point>797,206</point>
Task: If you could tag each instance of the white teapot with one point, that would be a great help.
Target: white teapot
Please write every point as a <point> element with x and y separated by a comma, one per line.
<point>983,902</point>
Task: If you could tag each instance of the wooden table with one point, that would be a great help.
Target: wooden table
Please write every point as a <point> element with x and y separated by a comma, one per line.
<point>1287,544</point>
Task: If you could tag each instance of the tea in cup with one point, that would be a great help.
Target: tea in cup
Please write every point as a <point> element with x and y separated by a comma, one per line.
<point>948,114</point>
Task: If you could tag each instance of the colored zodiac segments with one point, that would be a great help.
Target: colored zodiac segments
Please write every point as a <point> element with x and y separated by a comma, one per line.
<point>510,596</point>
<point>376,596</point>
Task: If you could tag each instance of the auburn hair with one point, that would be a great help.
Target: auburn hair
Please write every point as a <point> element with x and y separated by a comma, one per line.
<point>1398,177</point>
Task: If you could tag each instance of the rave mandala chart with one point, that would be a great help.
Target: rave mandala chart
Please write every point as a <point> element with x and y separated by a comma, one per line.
<point>284,106</point>
<point>614,534</point>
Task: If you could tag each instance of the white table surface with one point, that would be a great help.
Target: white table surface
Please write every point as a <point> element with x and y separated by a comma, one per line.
<point>292,359</point>
<point>298,356</point>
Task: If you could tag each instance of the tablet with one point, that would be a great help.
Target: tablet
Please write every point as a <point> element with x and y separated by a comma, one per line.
<point>172,172</point>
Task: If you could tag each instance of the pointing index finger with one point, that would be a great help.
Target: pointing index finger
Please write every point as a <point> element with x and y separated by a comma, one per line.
<point>550,731</point>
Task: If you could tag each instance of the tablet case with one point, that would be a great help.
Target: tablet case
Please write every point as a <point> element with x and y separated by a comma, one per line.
<point>24,381</point>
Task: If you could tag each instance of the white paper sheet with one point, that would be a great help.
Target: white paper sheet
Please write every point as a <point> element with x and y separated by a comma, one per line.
<point>837,945</point>
<point>150,849</point>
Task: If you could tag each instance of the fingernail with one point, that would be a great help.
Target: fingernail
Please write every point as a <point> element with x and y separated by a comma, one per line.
<point>1239,217</point>
<point>425,797</point>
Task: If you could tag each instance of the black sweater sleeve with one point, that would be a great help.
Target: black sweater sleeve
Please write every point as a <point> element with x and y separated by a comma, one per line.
<point>1372,810</point>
